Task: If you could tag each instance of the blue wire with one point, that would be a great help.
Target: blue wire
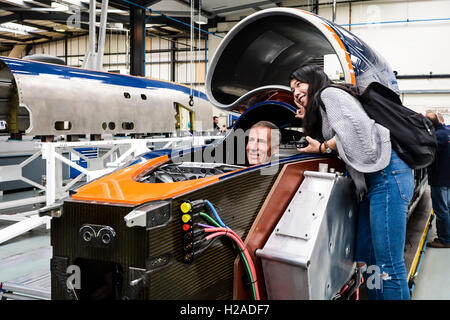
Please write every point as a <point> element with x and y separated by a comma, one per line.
<point>216,214</point>
<point>394,21</point>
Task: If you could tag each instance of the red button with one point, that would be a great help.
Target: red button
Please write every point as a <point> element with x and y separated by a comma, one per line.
<point>186,227</point>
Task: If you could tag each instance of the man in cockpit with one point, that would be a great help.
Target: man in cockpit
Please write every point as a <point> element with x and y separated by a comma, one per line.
<point>263,143</point>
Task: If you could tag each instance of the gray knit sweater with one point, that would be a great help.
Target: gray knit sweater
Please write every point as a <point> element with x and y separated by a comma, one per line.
<point>362,144</point>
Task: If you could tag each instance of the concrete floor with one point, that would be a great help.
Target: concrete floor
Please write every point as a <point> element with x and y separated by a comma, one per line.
<point>433,280</point>
<point>28,253</point>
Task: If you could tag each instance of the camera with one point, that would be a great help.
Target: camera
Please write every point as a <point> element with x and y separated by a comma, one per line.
<point>302,143</point>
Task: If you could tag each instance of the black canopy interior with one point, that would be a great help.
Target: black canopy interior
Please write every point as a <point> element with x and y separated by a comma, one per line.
<point>265,52</point>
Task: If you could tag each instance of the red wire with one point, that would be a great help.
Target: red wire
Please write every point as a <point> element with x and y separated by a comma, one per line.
<point>234,236</point>
<point>343,290</point>
<point>357,290</point>
<point>238,240</point>
<point>244,250</point>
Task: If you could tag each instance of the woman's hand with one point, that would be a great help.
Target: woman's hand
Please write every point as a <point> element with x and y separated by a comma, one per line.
<point>312,147</point>
<point>300,112</point>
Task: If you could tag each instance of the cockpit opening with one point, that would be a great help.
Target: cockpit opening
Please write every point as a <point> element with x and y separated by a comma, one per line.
<point>229,154</point>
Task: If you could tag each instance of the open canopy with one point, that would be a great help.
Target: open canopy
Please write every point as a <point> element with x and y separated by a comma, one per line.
<point>261,51</point>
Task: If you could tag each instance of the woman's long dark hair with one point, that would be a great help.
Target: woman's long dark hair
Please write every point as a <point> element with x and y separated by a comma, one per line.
<point>317,79</point>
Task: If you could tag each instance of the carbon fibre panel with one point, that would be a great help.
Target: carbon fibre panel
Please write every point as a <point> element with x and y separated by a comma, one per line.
<point>210,276</point>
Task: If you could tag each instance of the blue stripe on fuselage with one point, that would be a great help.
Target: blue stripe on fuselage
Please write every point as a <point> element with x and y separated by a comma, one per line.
<point>27,67</point>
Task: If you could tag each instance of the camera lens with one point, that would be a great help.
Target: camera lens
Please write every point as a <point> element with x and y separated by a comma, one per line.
<point>302,143</point>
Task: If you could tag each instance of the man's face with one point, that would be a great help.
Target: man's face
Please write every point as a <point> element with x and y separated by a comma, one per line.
<point>216,120</point>
<point>258,146</point>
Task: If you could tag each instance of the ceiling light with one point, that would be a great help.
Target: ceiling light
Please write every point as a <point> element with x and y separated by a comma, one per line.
<point>17,27</point>
<point>199,19</point>
<point>115,26</point>
<point>150,25</point>
<point>59,7</point>
<point>55,7</point>
<point>23,33</point>
<point>59,29</point>
<point>111,25</point>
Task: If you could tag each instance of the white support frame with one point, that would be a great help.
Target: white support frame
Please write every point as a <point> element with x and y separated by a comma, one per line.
<point>53,153</point>
<point>121,151</point>
<point>23,226</point>
<point>14,173</point>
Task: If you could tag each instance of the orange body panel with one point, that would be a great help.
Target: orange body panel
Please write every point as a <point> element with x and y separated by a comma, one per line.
<point>121,186</point>
<point>347,57</point>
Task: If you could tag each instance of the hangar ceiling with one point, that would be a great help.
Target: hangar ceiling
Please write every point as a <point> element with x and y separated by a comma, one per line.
<point>34,21</point>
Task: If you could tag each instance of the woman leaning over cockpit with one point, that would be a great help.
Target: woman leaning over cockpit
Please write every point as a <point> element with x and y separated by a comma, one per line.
<point>383,181</point>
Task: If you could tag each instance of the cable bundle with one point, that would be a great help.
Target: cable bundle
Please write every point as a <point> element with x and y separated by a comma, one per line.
<point>217,230</point>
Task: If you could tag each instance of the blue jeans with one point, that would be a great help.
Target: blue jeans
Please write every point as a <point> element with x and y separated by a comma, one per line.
<point>440,197</point>
<point>381,230</point>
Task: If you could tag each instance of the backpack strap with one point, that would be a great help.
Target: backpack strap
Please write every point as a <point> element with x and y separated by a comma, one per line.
<point>319,99</point>
<point>317,96</point>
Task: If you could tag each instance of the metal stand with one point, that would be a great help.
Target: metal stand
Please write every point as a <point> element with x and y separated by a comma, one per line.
<point>93,59</point>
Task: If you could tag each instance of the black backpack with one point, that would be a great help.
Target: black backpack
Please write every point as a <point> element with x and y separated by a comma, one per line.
<point>412,135</point>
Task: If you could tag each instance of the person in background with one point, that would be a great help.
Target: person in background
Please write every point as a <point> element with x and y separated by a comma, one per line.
<point>440,118</point>
<point>439,181</point>
<point>224,129</point>
<point>3,125</point>
<point>385,180</point>
<point>232,124</point>
<point>216,127</point>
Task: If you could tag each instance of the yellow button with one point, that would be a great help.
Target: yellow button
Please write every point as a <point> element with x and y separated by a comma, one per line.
<point>185,207</point>
<point>186,218</point>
